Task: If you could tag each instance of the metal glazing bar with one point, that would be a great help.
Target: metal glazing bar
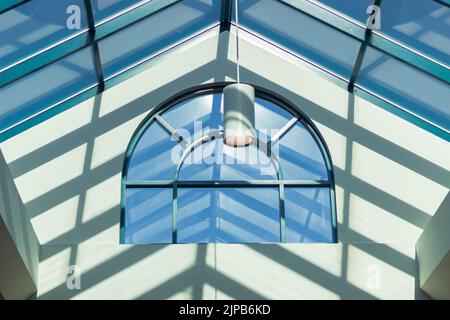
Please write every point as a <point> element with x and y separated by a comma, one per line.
<point>6,5</point>
<point>332,197</point>
<point>277,136</point>
<point>443,2</point>
<point>174,134</point>
<point>130,16</point>
<point>95,49</point>
<point>225,15</point>
<point>174,214</point>
<point>282,213</point>
<point>123,205</point>
<point>225,183</point>
<point>361,53</point>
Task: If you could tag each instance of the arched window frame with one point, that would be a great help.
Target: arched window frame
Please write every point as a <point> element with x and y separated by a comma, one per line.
<point>175,184</point>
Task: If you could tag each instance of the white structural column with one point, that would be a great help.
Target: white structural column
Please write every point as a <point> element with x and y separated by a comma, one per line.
<point>19,247</point>
<point>433,254</point>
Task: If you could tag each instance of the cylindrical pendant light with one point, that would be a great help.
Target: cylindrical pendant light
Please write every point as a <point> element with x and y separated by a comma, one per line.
<point>239,106</point>
<point>239,114</point>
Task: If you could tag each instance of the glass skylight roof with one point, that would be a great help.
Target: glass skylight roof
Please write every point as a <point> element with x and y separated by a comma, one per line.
<point>404,64</point>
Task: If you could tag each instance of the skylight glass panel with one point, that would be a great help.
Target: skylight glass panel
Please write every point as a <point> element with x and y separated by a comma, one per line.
<point>356,10</point>
<point>301,33</point>
<point>158,31</point>
<point>406,86</point>
<point>36,25</point>
<point>45,87</point>
<point>105,8</point>
<point>421,24</point>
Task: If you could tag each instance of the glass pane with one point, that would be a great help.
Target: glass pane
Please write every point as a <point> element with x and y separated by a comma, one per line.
<point>216,161</point>
<point>301,33</point>
<point>245,215</point>
<point>406,86</point>
<point>269,118</point>
<point>351,8</point>
<point>197,116</point>
<point>46,87</point>
<point>105,8</point>
<point>36,25</point>
<point>421,24</point>
<point>148,216</point>
<point>300,156</point>
<point>308,215</point>
<point>156,32</point>
<point>155,155</point>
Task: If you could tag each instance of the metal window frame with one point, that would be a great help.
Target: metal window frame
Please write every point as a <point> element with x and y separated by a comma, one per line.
<point>281,183</point>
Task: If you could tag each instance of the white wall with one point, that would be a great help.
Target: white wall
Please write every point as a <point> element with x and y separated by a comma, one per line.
<point>19,246</point>
<point>391,176</point>
<point>433,254</point>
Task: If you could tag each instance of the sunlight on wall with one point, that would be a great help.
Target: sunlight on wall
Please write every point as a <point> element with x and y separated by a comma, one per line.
<point>325,257</point>
<point>378,277</point>
<point>208,291</point>
<point>99,201</point>
<point>51,174</point>
<point>339,193</point>
<point>56,221</point>
<point>223,296</point>
<point>53,271</point>
<point>379,225</point>
<point>145,274</point>
<point>336,142</point>
<point>111,144</point>
<point>45,133</point>
<point>105,235</point>
<point>403,134</point>
<point>267,277</point>
<point>396,180</point>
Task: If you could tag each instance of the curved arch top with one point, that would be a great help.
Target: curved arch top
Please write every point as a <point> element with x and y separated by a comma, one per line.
<point>181,183</point>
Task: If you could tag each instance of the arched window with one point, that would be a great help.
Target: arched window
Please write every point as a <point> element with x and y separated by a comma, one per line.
<point>182,184</point>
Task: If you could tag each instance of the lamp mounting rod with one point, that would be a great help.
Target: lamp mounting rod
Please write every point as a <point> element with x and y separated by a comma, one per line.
<point>237,41</point>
